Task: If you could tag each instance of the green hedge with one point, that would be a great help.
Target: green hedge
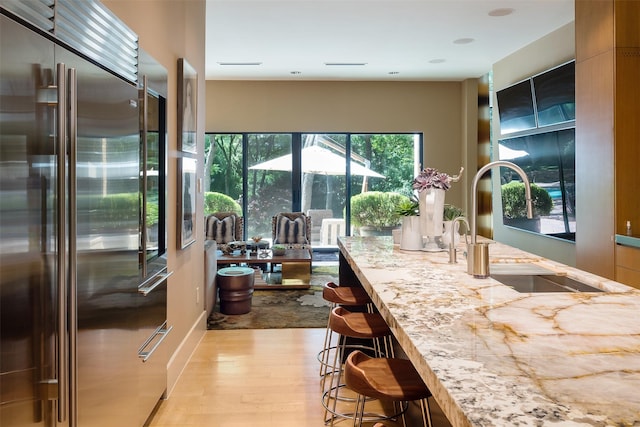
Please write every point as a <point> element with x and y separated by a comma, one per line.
<point>514,204</point>
<point>376,209</point>
<point>218,202</point>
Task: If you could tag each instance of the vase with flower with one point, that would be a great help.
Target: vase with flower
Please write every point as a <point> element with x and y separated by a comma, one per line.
<point>410,233</point>
<point>431,186</point>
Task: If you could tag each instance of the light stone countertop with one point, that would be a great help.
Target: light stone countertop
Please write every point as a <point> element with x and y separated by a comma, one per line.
<point>492,356</point>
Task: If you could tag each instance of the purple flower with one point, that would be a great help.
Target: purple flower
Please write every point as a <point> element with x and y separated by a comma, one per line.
<point>432,178</point>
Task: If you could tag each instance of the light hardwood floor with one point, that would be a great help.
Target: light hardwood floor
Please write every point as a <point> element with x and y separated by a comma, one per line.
<point>252,377</point>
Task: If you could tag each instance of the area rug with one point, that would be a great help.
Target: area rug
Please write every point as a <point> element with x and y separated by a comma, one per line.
<point>278,309</point>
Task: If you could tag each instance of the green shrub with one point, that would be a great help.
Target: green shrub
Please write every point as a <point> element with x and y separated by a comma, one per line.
<point>218,202</point>
<point>376,209</point>
<point>514,204</point>
<point>152,214</point>
<point>110,212</point>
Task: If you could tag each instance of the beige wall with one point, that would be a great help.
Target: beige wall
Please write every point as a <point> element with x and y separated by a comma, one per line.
<point>437,109</point>
<point>551,50</point>
<point>169,30</point>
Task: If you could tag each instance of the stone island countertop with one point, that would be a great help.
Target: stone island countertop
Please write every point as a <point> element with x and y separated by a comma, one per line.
<point>492,356</point>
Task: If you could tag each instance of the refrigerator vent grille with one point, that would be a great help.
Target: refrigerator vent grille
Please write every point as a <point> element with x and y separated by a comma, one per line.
<point>38,13</point>
<point>92,29</point>
<point>86,26</point>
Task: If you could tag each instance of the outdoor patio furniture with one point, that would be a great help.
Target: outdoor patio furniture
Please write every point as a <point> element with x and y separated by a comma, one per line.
<point>317,216</point>
<point>331,229</point>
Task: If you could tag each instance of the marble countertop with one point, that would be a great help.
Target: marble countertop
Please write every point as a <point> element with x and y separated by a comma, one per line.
<point>495,357</point>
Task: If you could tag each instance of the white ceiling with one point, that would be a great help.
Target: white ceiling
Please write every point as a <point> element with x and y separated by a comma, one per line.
<point>415,39</point>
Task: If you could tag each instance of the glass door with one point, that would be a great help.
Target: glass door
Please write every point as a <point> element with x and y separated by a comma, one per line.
<point>324,187</point>
<point>268,184</point>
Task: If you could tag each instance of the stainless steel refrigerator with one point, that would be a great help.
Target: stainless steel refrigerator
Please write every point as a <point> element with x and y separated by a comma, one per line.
<point>73,343</point>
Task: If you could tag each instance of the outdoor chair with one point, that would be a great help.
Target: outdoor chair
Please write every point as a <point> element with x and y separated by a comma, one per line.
<point>331,229</point>
<point>317,216</point>
<point>224,228</point>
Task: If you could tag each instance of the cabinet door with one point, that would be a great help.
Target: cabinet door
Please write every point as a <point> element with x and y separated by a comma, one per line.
<point>628,265</point>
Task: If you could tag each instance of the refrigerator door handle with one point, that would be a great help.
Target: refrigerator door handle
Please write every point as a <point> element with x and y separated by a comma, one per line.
<point>162,333</point>
<point>146,288</point>
<point>61,124</point>
<point>143,228</point>
<point>73,234</point>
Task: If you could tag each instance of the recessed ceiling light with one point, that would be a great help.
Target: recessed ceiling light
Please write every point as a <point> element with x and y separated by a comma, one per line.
<point>465,40</point>
<point>437,61</point>
<point>239,63</point>
<point>345,64</point>
<point>501,12</point>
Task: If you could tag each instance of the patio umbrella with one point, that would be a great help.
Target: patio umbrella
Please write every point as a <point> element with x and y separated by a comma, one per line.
<point>319,161</point>
<point>506,153</point>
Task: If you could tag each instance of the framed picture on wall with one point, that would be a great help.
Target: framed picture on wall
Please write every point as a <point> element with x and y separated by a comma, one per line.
<point>187,105</point>
<point>187,222</point>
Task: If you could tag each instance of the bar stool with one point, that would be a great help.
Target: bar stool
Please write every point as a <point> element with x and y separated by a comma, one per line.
<point>387,379</point>
<point>339,296</point>
<point>355,325</point>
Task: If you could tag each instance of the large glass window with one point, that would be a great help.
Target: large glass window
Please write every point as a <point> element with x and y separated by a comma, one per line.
<point>549,161</point>
<point>264,174</point>
<point>269,181</point>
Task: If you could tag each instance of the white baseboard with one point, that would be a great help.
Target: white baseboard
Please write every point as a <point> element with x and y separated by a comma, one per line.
<point>183,353</point>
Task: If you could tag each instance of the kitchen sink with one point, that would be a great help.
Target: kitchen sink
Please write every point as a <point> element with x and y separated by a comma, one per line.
<point>532,283</point>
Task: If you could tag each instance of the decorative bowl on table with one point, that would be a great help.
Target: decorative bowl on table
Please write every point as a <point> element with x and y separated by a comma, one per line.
<point>278,250</point>
<point>255,246</point>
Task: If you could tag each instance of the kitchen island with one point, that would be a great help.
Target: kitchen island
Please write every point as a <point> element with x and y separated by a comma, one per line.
<point>493,356</point>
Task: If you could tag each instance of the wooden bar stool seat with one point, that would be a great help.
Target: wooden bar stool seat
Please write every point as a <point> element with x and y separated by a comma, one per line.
<point>339,296</point>
<point>345,295</point>
<point>386,379</point>
<point>357,326</point>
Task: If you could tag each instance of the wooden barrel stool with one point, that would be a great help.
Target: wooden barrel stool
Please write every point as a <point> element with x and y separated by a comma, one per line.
<point>386,379</point>
<point>235,288</point>
<point>339,296</point>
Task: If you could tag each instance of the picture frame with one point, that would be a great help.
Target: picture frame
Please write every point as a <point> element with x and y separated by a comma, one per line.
<point>187,107</point>
<point>187,167</point>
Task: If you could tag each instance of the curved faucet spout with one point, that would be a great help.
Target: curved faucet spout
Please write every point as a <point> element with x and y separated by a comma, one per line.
<point>474,190</point>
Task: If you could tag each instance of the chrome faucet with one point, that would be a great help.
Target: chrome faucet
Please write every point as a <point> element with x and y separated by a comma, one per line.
<point>478,253</point>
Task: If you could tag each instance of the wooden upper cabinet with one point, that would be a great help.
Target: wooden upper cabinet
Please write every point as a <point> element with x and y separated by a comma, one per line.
<point>607,128</point>
<point>602,25</point>
<point>627,13</point>
<point>627,138</point>
<point>594,28</point>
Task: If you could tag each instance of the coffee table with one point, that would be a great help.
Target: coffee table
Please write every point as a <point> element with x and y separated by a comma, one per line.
<point>296,267</point>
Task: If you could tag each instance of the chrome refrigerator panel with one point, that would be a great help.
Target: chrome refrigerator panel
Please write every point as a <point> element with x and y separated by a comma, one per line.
<point>107,218</point>
<point>103,332</point>
<point>28,241</point>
